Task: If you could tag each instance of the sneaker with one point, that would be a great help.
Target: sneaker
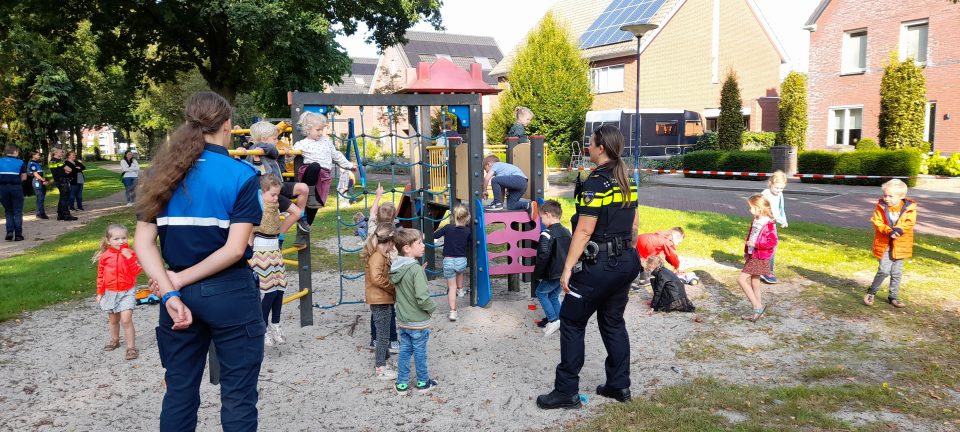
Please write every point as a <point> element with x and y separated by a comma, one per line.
<point>551,327</point>
<point>542,323</point>
<point>453,315</point>
<point>494,206</point>
<point>268,339</point>
<point>394,347</point>
<point>461,292</point>
<point>868,299</point>
<point>897,303</point>
<point>129,204</point>
<point>424,387</point>
<point>402,389</point>
<point>277,333</point>
<point>303,225</point>
<point>385,373</point>
<point>768,279</point>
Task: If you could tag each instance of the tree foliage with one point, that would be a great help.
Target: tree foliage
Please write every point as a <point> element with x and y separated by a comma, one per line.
<point>550,77</point>
<point>903,101</point>
<point>730,123</point>
<point>792,111</point>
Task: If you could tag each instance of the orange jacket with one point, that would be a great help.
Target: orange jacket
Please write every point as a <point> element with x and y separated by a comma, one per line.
<point>115,272</point>
<point>902,247</point>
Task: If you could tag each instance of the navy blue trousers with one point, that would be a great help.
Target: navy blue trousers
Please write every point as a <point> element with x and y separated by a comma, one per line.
<point>226,311</point>
<point>11,197</point>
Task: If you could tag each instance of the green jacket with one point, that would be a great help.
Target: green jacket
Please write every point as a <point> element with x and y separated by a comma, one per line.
<point>414,305</point>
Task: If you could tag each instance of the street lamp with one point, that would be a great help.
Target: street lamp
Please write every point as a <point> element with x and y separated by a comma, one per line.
<point>638,30</point>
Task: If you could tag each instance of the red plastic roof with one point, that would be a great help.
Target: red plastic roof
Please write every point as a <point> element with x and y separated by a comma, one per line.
<point>445,77</point>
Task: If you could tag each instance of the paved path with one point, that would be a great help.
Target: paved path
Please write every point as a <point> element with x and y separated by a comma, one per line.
<point>837,205</point>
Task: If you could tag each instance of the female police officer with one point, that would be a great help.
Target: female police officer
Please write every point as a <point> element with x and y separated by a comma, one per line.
<point>600,265</point>
<point>203,204</point>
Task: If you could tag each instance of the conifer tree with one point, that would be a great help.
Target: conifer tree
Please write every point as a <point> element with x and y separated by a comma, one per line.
<point>903,101</point>
<point>792,111</point>
<point>730,123</point>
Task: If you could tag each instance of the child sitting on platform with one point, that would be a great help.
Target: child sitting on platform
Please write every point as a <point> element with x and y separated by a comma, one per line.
<point>551,254</point>
<point>501,175</point>
<point>319,157</point>
<point>293,195</point>
<point>457,240</point>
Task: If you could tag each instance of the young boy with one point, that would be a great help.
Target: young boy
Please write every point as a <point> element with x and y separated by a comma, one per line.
<point>413,307</point>
<point>893,221</point>
<point>551,254</point>
<point>774,194</point>
<point>503,175</point>
<point>661,243</point>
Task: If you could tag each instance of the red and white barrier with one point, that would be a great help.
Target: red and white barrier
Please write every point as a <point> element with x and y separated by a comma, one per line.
<point>760,174</point>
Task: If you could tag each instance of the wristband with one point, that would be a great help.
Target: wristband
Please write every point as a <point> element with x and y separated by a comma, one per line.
<point>168,295</point>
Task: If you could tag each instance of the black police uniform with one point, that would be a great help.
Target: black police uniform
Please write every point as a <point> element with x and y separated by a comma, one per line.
<point>600,283</point>
<point>62,180</point>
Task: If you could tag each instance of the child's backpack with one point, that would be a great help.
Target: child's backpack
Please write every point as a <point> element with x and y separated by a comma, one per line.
<point>669,294</point>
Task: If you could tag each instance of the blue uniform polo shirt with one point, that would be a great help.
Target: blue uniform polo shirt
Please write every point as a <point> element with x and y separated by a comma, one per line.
<point>217,192</point>
<point>10,170</point>
<point>34,167</point>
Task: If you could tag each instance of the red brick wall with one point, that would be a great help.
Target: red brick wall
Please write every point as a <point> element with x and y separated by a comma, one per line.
<point>882,19</point>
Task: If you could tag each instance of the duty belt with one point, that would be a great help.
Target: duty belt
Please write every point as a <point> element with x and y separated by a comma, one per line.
<point>613,247</point>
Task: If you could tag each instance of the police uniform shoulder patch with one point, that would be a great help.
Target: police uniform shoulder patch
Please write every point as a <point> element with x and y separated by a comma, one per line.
<point>587,196</point>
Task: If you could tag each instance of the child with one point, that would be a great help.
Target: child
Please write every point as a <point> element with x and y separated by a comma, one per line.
<point>455,255</point>
<point>117,270</point>
<point>380,293</point>
<point>551,254</point>
<point>758,248</point>
<point>669,294</point>
<point>663,244</point>
<point>383,213</point>
<point>414,307</point>
<point>267,261</point>
<point>518,130</point>
<point>501,176</point>
<point>893,220</point>
<point>319,157</point>
<point>344,185</point>
<point>774,194</point>
<point>293,195</point>
<point>360,225</point>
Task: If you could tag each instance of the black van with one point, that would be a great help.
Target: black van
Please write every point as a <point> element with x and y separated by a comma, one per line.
<point>663,132</point>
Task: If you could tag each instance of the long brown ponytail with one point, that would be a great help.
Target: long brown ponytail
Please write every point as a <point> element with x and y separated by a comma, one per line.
<point>205,113</point>
<point>611,139</point>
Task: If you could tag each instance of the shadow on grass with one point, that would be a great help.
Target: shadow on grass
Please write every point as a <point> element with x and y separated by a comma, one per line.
<point>727,258</point>
<point>924,252</point>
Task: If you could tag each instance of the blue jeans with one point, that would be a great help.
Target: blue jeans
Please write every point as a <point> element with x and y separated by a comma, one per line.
<point>548,291</point>
<point>41,193</point>
<point>129,184</point>
<point>771,260</point>
<point>11,197</point>
<point>413,342</point>
<point>226,311</point>
<point>516,186</point>
<point>76,196</point>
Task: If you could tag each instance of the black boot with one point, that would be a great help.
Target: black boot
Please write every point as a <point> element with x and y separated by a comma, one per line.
<point>621,395</point>
<point>555,399</point>
<point>42,216</point>
<point>301,239</point>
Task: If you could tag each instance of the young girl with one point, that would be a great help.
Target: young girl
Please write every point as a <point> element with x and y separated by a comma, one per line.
<point>380,293</point>
<point>267,261</point>
<point>758,248</point>
<point>319,157</point>
<point>117,270</point>
<point>383,214</point>
<point>774,194</point>
<point>455,255</point>
<point>518,130</point>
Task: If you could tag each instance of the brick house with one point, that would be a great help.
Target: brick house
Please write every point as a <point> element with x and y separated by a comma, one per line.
<point>850,43</point>
<point>684,61</point>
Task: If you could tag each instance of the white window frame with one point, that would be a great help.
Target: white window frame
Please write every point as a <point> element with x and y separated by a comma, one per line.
<point>922,46</point>
<point>847,45</point>
<point>603,73</point>
<point>926,119</point>
<point>831,125</point>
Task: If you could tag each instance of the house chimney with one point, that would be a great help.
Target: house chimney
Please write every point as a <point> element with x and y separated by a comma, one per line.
<point>475,71</point>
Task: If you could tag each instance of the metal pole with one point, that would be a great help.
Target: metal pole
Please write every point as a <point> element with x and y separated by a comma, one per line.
<point>636,122</point>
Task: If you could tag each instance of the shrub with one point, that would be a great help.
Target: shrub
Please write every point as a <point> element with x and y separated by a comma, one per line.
<point>672,163</point>
<point>704,160</point>
<point>903,100</point>
<point>730,122</point>
<point>904,162</point>
<point>867,144</point>
<point>940,165</point>
<point>715,160</point>
<point>758,140</point>
<point>792,111</point>
<point>707,141</point>
<point>816,162</point>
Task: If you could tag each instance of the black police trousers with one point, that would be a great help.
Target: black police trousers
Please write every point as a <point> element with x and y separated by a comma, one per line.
<point>63,208</point>
<point>602,288</point>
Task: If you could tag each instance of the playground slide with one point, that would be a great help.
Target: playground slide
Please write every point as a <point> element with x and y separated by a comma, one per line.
<point>483,261</point>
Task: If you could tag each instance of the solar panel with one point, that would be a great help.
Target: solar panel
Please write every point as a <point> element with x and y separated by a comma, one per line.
<point>606,29</point>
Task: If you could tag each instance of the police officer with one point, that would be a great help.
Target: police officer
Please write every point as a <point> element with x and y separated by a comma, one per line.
<point>600,265</point>
<point>203,205</point>
<point>39,183</point>
<point>61,177</point>
<point>13,172</point>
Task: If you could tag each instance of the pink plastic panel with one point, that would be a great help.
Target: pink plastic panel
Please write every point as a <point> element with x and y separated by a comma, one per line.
<point>512,238</point>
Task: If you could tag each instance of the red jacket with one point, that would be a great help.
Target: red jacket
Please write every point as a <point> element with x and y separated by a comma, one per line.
<point>766,240</point>
<point>115,272</point>
<point>657,243</point>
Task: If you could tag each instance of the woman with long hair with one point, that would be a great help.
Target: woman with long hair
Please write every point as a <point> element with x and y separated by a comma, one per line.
<point>130,169</point>
<point>203,204</point>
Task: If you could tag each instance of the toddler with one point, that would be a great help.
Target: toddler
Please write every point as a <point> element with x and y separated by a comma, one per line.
<point>758,248</point>
<point>457,240</point>
<point>663,244</point>
<point>893,220</point>
<point>551,254</point>
<point>117,270</point>
<point>501,175</point>
<point>319,157</point>
<point>774,194</point>
<point>383,213</point>
<point>414,307</point>
<point>380,294</point>
<point>267,260</point>
<point>523,116</point>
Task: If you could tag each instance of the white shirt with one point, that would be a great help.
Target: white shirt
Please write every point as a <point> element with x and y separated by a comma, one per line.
<point>322,152</point>
<point>776,204</point>
<point>132,170</point>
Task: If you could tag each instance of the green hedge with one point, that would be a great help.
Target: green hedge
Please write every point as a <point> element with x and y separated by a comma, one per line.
<point>904,162</point>
<point>715,160</point>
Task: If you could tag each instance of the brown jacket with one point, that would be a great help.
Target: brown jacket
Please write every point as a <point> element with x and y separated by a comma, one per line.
<point>379,288</point>
<point>902,246</point>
